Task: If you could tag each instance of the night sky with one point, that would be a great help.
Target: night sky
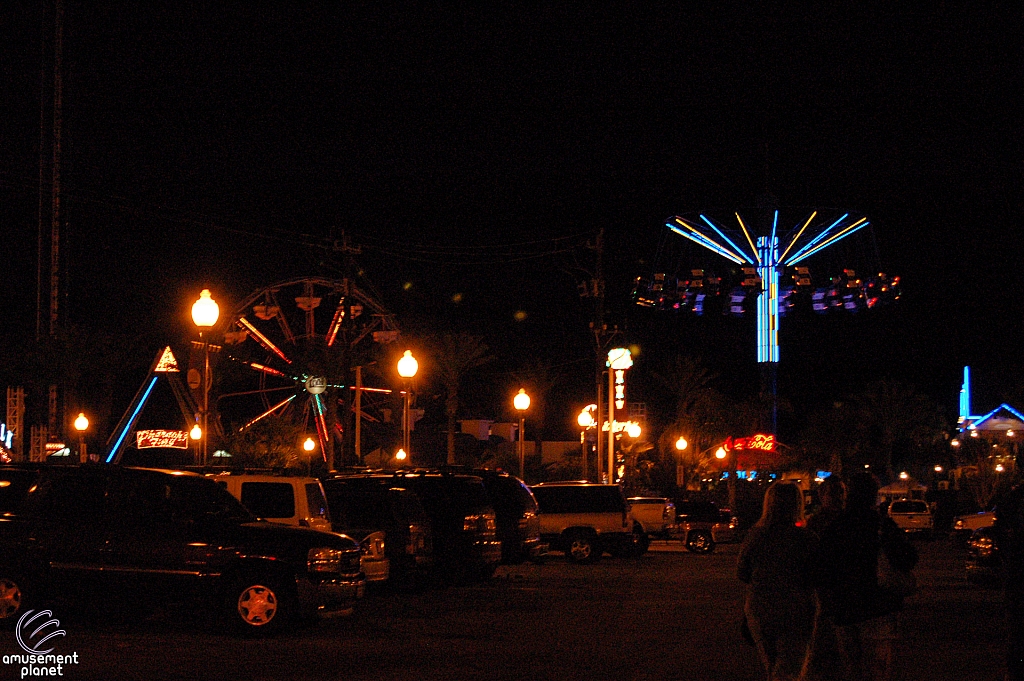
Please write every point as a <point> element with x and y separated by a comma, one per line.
<point>476,151</point>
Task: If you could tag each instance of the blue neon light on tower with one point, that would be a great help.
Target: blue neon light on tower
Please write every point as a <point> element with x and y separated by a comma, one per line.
<point>768,300</point>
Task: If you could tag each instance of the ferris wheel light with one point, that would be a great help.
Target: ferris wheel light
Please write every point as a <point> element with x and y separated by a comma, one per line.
<point>205,311</point>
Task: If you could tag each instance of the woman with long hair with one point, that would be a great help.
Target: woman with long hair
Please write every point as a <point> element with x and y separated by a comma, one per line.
<point>776,562</point>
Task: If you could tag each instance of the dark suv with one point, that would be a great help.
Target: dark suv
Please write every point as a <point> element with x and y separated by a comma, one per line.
<point>362,507</point>
<point>516,512</point>
<point>461,515</point>
<point>99,532</point>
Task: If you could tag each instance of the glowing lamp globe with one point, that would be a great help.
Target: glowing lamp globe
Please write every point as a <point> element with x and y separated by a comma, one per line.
<point>720,453</point>
<point>904,475</point>
<point>585,419</point>
<point>196,433</point>
<point>81,423</point>
<point>400,455</point>
<point>633,430</point>
<point>521,401</point>
<point>205,311</point>
<point>407,365</point>
<point>619,358</point>
<point>309,445</point>
<point>681,444</point>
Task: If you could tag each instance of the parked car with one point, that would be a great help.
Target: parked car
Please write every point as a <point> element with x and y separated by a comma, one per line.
<point>462,519</point>
<point>585,520</point>
<point>967,524</point>
<point>97,533</point>
<point>701,525</point>
<point>983,562</point>
<point>300,501</point>
<point>911,515</point>
<point>515,510</point>
<point>657,515</point>
<point>363,508</point>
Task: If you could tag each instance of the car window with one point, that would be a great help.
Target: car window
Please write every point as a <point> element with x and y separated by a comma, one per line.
<point>269,499</point>
<point>191,499</point>
<point>579,499</point>
<point>68,496</point>
<point>316,502</point>
<point>14,486</point>
<point>510,495</point>
<point>908,507</point>
<point>359,508</point>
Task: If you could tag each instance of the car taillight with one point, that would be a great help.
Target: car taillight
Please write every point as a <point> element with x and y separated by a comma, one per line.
<point>373,546</point>
<point>480,523</point>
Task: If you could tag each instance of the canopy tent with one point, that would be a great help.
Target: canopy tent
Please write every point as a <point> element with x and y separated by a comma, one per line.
<point>901,489</point>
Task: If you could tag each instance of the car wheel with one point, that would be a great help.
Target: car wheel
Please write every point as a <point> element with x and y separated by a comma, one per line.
<point>700,541</point>
<point>582,548</point>
<point>258,605</point>
<point>12,599</point>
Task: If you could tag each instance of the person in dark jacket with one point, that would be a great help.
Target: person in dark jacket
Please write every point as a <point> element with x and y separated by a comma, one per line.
<point>825,658</point>
<point>864,613</point>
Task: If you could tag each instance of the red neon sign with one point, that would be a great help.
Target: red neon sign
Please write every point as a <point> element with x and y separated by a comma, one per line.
<point>759,442</point>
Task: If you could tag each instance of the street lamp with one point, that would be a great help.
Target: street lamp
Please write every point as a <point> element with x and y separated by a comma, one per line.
<point>681,445</point>
<point>407,368</point>
<point>81,425</point>
<point>205,312</point>
<point>586,421</point>
<point>521,402</point>
<point>309,445</point>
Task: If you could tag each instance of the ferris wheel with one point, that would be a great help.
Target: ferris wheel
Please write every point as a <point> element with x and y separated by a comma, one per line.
<point>290,347</point>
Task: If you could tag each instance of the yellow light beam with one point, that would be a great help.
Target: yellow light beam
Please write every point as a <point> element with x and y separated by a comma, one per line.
<point>749,240</point>
<point>797,237</point>
<point>826,242</point>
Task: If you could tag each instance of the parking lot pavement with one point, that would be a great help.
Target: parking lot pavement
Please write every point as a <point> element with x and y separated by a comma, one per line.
<point>668,615</point>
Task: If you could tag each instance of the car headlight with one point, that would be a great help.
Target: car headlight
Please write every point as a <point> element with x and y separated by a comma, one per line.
<point>324,560</point>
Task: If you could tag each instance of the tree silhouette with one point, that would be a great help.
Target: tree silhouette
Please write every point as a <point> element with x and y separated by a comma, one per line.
<point>454,356</point>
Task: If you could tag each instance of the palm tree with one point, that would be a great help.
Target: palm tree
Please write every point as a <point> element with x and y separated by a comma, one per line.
<point>454,356</point>
<point>892,414</point>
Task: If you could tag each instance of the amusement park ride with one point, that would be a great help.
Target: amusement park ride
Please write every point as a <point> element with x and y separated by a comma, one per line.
<point>771,282</point>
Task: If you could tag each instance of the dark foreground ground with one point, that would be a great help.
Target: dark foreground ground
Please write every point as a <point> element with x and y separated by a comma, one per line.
<point>667,615</point>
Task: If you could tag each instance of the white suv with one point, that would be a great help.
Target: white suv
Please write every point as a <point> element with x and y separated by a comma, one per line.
<point>584,520</point>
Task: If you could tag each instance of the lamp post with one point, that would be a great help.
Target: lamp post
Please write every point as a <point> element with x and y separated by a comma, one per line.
<point>81,425</point>
<point>196,434</point>
<point>586,422</point>
<point>681,445</point>
<point>407,368</point>
<point>521,402</point>
<point>205,312</point>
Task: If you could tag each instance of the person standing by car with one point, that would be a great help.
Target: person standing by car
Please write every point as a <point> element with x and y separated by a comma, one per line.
<point>865,614</point>
<point>775,562</point>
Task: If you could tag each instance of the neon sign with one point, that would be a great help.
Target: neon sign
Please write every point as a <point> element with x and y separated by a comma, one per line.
<point>174,439</point>
<point>759,442</point>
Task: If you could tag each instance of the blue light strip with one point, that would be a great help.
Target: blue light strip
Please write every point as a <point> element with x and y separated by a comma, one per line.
<point>965,396</point>
<point>708,244</point>
<point>768,300</point>
<point>986,417</point>
<point>775,223</point>
<point>128,426</point>
<point>722,234</point>
<point>816,239</point>
<point>838,237</point>
<point>711,243</point>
